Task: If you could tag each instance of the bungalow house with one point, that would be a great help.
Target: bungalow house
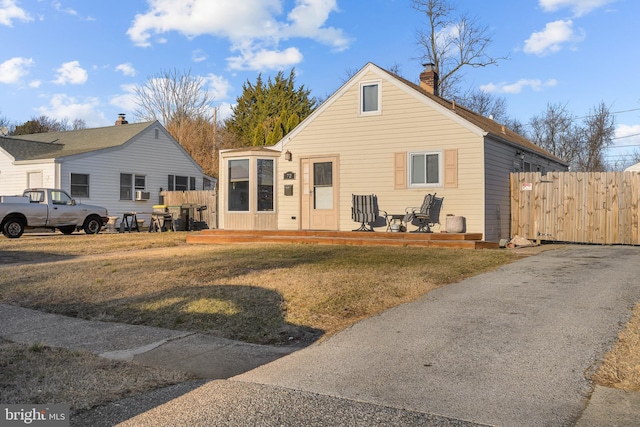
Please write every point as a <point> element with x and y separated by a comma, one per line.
<point>379,134</point>
<point>122,167</point>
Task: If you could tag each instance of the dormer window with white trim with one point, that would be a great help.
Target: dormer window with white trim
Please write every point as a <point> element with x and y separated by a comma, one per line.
<point>370,98</point>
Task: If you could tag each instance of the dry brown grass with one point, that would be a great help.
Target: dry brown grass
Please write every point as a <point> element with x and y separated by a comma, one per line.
<point>621,366</point>
<point>267,294</point>
<point>42,375</point>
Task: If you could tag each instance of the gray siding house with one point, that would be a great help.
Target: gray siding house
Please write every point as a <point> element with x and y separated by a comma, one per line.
<point>122,167</point>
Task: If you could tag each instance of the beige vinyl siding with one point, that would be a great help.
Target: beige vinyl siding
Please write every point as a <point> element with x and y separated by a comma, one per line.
<point>367,147</point>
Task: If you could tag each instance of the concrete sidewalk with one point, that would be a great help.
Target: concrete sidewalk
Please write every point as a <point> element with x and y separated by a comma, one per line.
<point>508,348</point>
<point>205,356</point>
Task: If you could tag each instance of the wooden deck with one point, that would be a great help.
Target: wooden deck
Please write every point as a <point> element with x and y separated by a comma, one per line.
<point>433,240</point>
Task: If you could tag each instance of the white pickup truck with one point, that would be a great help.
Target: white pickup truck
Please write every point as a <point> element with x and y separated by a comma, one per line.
<point>48,208</point>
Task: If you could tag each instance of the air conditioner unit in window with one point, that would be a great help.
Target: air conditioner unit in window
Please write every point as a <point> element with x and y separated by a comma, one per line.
<point>142,195</point>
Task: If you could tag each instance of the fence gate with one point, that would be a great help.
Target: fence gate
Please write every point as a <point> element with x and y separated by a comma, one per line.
<point>201,198</point>
<point>578,207</point>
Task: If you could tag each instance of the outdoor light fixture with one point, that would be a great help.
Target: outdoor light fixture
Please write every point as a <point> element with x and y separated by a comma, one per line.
<point>520,154</point>
<point>288,156</point>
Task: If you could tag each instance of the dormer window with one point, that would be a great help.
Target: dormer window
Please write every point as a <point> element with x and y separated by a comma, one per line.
<point>370,98</point>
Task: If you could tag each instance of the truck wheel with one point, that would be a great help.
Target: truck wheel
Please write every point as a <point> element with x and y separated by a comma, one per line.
<point>92,225</point>
<point>13,228</point>
<point>67,229</point>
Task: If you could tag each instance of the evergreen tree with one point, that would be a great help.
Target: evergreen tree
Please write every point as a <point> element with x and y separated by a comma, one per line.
<point>266,112</point>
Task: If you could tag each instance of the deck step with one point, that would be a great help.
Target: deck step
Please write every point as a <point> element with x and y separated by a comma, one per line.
<point>433,240</point>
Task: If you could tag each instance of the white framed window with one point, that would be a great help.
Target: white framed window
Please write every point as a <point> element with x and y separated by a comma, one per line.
<point>425,169</point>
<point>129,183</point>
<point>370,98</point>
<point>79,185</point>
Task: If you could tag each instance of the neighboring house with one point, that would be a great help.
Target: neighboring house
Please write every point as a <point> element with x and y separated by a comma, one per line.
<point>379,134</point>
<point>633,168</point>
<point>122,167</point>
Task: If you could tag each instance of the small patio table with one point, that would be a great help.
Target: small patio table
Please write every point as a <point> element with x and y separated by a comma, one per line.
<point>396,222</point>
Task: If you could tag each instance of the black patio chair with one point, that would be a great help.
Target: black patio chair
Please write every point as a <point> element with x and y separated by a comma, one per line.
<point>364,210</point>
<point>426,215</point>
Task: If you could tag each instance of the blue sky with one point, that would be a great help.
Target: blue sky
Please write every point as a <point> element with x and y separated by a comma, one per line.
<point>71,59</point>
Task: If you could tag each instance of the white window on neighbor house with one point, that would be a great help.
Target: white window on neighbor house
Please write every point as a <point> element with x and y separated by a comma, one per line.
<point>370,98</point>
<point>179,183</point>
<point>79,185</point>
<point>129,183</point>
<point>425,169</point>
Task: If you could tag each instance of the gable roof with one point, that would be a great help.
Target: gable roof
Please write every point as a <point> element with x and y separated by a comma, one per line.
<point>68,143</point>
<point>482,125</point>
<point>490,126</point>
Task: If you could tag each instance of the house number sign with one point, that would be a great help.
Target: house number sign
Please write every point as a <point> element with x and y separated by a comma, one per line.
<point>289,175</point>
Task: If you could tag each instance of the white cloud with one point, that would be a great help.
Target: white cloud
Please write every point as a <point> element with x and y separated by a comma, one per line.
<point>219,87</point>
<point>578,7</point>
<point>126,69</point>
<point>552,38</point>
<point>198,55</point>
<point>58,6</point>
<point>254,28</point>
<point>65,107</point>
<point>72,73</point>
<point>534,84</point>
<point>265,59</point>
<point>35,84</point>
<point>13,69</point>
<point>9,11</point>
<point>126,101</point>
<point>627,133</point>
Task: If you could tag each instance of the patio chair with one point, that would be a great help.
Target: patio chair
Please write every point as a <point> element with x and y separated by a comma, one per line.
<point>364,211</point>
<point>426,215</point>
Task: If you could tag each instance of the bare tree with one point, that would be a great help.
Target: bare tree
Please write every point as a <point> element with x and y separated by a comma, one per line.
<point>484,104</point>
<point>182,103</point>
<point>555,131</point>
<point>45,124</point>
<point>596,135</point>
<point>199,136</point>
<point>172,95</point>
<point>581,145</point>
<point>452,43</point>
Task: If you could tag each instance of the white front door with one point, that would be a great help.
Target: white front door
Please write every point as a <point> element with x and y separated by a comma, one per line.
<point>320,193</point>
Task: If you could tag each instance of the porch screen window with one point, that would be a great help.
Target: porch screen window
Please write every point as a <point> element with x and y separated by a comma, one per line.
<point>370,99</point>
<point>425,169</point>
<point>265,185</point>
<point>126,186</point>
<point>238,185</point>
<point>79,185</point>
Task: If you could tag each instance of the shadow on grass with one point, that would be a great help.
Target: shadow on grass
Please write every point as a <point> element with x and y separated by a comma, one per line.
<point>245,313</point>
<point>25,257</point>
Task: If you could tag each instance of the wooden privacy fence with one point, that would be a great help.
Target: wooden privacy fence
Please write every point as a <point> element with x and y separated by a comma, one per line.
<point>201,198</point>
<point>579,207</point>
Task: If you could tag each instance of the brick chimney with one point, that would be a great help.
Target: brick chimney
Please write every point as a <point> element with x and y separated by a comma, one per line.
<point>121,120</point>
<point>429,79</point>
